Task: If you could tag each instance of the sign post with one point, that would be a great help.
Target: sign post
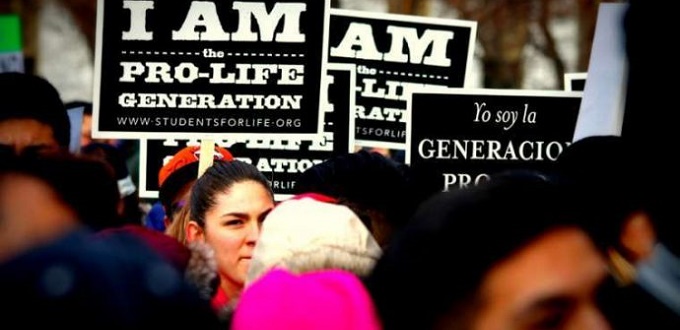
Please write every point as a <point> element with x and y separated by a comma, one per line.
<point>207,156</point>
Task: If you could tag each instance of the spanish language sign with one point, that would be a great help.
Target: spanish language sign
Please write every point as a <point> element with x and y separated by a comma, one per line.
<point>198,69</point>
<point>280,159</point>
<point>485,131</point>
<point>395,54</point>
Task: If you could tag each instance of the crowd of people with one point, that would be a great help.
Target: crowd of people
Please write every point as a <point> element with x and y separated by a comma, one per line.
<point>366,242</point>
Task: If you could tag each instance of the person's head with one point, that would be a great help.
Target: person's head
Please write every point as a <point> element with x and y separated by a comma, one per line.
<point>505,254</point>
<point>87,186</point>
<point>326,299</point>
<point>609,182</point>
<point>177,176</point>
<point>101,282</point>
<point>128,210</point>
<point>302,235</point>
<point>376,188</point>
<point>32,210</point>
<point>645,120</point>
<point>228,204</point>
<point>32,115</point>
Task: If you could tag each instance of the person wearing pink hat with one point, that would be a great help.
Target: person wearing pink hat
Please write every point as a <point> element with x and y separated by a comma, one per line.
<point>328,299</point>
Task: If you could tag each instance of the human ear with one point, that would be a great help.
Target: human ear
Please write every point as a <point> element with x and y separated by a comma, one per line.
<point>638,236</point>
<point>194,232</point>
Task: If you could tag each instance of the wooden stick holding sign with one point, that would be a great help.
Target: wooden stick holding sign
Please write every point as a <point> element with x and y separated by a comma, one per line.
<point>207,155</point>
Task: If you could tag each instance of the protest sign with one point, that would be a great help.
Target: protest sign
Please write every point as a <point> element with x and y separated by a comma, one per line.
<point>199,69</point>
<point>393,55</point>
<point>604,96</point>
<point>485,131</point>
<point>281,160</point>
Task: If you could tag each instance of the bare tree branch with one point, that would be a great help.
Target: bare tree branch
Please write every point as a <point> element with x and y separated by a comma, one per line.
<point>549,48</point>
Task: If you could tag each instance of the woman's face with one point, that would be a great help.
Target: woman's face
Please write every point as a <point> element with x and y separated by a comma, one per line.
<point>232,227</point>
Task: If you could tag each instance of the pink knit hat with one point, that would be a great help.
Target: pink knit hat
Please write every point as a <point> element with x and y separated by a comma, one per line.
<point>328,299</point>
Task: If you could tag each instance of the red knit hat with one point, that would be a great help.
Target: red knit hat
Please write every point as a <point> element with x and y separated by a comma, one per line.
<point>182,169</point>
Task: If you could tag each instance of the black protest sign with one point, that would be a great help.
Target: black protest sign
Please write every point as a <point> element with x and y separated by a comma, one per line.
<point>575,82</point>
<point>466,135</point>
<point>280,159</point>
<point>198,69</point>
<point>395,54</point>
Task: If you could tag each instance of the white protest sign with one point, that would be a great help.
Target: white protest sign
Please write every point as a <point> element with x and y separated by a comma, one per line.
<point>604,96</point>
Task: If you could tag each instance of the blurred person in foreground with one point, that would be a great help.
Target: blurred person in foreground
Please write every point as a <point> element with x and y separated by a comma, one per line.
<point>611,184</point>
<point>79,281</point>
<point>648,127</point>
<point>505,254</point>
<point>46,195</point>
<point>32,210</point>
<point>54,267</point>
<point>195,262</point>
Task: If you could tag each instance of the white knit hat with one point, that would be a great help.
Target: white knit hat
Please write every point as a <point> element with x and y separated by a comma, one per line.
<point>301,235</point>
